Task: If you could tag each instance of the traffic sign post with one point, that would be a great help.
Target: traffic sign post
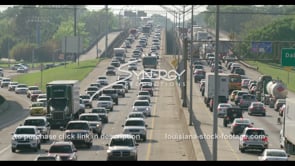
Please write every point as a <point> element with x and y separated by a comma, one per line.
<point>288,57</point>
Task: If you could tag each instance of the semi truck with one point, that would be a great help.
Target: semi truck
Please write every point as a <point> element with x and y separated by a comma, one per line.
<point>287,134</point>
<point>269,90</point>
<point>150,62</point>
<point>63,102</point>
<point>223,84</point>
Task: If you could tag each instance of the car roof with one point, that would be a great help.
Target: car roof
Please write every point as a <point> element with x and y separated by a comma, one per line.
<point>27,126</point>
<point>62,143</point>
<point>141,101</point>
<point>134,119</point>
<point>88,113</point>
<point>78,121</point>
<point>36,117</point>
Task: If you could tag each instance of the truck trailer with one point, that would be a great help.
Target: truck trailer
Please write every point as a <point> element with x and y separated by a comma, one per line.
<point>63,102</point>
<point>287,134</point>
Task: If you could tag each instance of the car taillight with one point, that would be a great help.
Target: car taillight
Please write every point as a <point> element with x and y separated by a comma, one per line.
<point>250,126</point>
<point>219,109</point>
<point>235,125</point>
<point>264,109</point>
<point>245,138</point>
<point>241,101</point>
<point>265,139</point>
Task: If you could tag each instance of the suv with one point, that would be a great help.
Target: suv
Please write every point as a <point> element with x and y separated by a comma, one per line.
<point>26,137</point>
<point>136,127</point>
<point>42,125</point>
<point>142,106</point>
<point>221,99</point>
<point>122,147</point>
<point>66,150</point>
<point>111,92</point>
<point>238,96</point>
<point>253,138</point>
<point>120,89</point>
<point>106,102</point>
<point>79,132</point>
<point>232,113</point>
<point>94,121</point>
<point>246,100</point>
<point>86,100</point>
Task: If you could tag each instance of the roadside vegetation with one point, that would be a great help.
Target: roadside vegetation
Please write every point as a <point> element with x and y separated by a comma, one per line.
<point>69,72</point>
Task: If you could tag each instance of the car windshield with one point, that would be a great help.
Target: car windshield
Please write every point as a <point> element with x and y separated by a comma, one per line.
<point>39,104</point>
<point>143,93</point>
<point>243,121</point>
<point>92,89</point>
<point>35,122</point>
<point>46,158</point>
<point>121,142</point>
<point>61,149</point>
<point>249,97</point>
<point>104,99</point>
<point>77,126</point>
<point>25,131</point>
<point>255,132</point>
<point>98,111</point>
<point>134,123</point>
<point>102,78</point>
<point>135,116</point>
<point>85,97</point>
<point>276,154</point>
<point>89,118</point>
<point>141,103</point>
<point>258,105</point>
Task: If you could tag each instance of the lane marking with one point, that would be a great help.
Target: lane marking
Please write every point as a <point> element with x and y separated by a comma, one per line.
<point>3,150</point>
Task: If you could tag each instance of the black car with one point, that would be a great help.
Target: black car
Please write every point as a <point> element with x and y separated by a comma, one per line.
<point>115,63</point>
<point>102,112</point>
<point>232,113</point>
<point>239,71</point>
<point>111,92</point>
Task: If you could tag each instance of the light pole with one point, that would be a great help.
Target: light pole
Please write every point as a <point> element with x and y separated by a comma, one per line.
<point>107,31</point>
<point>216,85</point>
<point>191,73</point>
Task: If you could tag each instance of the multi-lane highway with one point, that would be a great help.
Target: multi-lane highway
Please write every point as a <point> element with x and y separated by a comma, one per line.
<point>165,119</point>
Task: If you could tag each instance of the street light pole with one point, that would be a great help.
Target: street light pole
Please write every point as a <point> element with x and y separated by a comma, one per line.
<point>191,73</point>
<point>184,97</point>
<point>216,89</point>
<point>106,44</point>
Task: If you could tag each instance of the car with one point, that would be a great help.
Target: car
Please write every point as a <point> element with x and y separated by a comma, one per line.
<point>221,109</point>
<point>41,97</point>
<point>144,93</point>
<point>46,157</point>
<point>273,155</point>
<point>30,89</point>
<point>26,137</point>
<point>125,85</point>
<point>102,80</point>
<point>79,132</point>
<point>239,124</point>
<point>142,106</point>
<point>136,115</point>
<point>148,88</point>
<point>42,125</point>
<point>239,71</point>
<point>135,127</point>
<point>94,121</point>
<point>34,95</point>
<point>65,149</point>
<point>102,113</point>
<point>115,63</point>
<point>245,83</point>
<point>233,95</point>
<point>120,89</point>
<point>5,82</point>
<point>279,103</point>
<point>12,85</point>
<point>253,139</point>
<point>106,102</point>
<point>132,66</point>
<point>257,108</point>
<point>91,90</point>
<point>246,100</point>
<point>232,113</point>
<point>113,93</point>
<point>21,89</point>
<point>86,100</point>
<point>144,97</point>
<point>199,74</point>
<point>96,84</point>
<point>38,109</point>
<point>111,70</point>
<point>238,96</point>
<point>221,99</point>
<point>122,147</point>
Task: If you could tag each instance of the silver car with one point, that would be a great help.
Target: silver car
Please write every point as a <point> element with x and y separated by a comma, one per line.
<point>253,139</point>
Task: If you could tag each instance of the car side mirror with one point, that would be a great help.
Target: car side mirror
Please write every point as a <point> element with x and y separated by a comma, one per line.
<point>288,155</point>
<point>146,125</point>
<point>106,144</point>
<point>252,123</point>
<point>75,150</point>
<point>122,125</point>
<point>62,129</point>
<point>12,133</point>
<point>46,151</point>
<point>136,144</point>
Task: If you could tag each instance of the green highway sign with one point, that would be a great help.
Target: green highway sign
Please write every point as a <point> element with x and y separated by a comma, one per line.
<point>288,57</point>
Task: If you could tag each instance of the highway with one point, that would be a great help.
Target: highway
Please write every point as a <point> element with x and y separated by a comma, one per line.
<point>165,119</point>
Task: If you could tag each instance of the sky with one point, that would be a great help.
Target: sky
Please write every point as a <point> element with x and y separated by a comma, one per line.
<point>149,9</point>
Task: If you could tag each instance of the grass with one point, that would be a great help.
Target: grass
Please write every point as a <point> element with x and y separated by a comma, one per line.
<point>71,72</point>
<point>277,72</point>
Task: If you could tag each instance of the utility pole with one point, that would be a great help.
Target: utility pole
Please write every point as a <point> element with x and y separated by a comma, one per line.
<point>76,55</point>
<point>107,31</point>
<point>184,97</point>
<point>191,74</point>
<point>216,89</point>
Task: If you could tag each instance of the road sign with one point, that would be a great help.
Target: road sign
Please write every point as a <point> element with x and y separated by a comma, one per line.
<point>262,47</point>
<point>288,57</point>
<point>288,68</point>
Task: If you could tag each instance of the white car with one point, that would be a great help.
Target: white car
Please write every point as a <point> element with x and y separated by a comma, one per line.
<point>142,106</point>
<point>102,80</point>
<point>21,89</point>
<point>12,85</point>
<point>273,155</point>
<point>41,97</point>
<point>221,109</point>
<point>136,127</point>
